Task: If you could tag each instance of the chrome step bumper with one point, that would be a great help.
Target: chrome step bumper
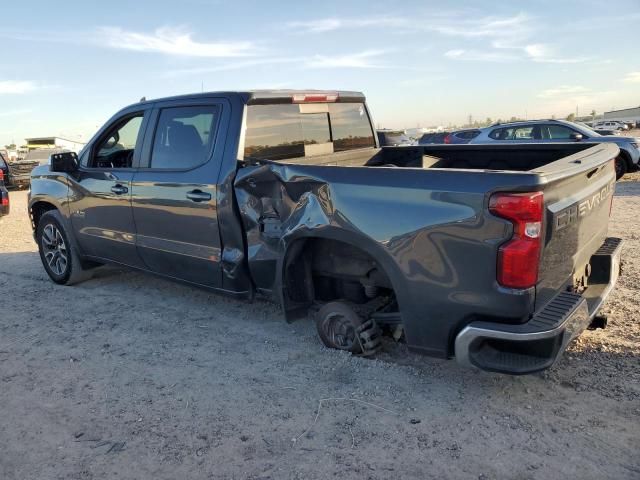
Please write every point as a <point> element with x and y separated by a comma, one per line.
<point>538,343</point>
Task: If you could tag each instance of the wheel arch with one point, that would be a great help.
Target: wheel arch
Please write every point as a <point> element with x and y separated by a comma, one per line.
<point>295,249</point>
<point>37,209</point>
<point>627,159</point>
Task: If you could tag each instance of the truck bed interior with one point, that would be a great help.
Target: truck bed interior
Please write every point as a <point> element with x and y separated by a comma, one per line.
<point>513,157</point>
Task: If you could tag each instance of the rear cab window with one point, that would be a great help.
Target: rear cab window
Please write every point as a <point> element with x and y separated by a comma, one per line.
<point>285,131</point>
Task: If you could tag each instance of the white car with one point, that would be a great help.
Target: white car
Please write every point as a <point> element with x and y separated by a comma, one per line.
<point>611,125</point>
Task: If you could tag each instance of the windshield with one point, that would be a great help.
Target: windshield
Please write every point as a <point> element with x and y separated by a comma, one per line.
<point>282,131</point>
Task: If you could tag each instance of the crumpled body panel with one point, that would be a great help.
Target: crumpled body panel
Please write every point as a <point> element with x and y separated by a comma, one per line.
<point>426,229</point>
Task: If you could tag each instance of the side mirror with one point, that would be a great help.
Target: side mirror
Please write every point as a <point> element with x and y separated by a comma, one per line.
<point>65,162</point>
<point>576,136</point>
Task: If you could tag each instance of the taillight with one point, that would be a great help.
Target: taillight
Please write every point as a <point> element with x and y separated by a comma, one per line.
<point>447,139</point>
<point>519,258</point>
<point>5,200</point>
<point>1,175</point>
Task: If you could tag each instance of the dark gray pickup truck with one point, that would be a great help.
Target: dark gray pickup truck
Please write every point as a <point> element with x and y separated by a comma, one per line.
<point>495,254</point>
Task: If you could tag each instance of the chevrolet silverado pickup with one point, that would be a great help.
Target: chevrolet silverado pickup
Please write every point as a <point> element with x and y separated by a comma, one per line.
<point>497,255</point>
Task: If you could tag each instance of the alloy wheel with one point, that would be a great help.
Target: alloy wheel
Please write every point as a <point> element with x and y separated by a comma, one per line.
<point>54,249</point>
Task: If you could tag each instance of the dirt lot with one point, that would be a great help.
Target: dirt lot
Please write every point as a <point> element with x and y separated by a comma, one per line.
<point>129,376</point>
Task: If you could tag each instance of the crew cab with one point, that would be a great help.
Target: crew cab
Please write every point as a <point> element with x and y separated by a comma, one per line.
<point>497,255</point>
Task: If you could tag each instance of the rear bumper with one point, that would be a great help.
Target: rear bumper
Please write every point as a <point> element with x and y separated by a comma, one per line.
<point>537,344</point>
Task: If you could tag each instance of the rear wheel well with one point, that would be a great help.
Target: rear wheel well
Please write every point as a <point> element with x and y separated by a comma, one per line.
<point>37,210</point>
<point>319,270</point>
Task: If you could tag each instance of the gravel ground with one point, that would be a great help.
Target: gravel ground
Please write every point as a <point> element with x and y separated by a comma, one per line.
<point>130,376</point>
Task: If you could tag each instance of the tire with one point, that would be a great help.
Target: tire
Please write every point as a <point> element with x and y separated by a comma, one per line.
<point>58,254</point>
<point>621,167</point>
<point>337,323</point>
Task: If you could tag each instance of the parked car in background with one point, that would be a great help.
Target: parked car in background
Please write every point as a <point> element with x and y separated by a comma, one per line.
<point>41,155</point>
<point>457,137</point>
<point>432,138</point>
<point>610,125</point>
<point>18,172</point>
<point>461,136</point>
<point>4,196</point>
<point>552,131</point>
<point>601,131</point>
<point>4,166</point>
<point>393,138</point>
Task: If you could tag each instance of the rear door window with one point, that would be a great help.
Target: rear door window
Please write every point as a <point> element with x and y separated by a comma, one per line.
<point>502,134</point>
<point>184,137</point>
<point>516,134</point>
<point>523,133</point>
<point>283,131</point>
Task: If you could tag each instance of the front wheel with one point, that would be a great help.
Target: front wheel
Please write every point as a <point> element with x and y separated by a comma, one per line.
<point>58,254</point>
<point>621,167</point>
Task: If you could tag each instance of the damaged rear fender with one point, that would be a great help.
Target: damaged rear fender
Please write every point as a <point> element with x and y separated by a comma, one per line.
<point>281,207</point>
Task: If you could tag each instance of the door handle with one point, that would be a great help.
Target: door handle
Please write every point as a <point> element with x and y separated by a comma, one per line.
<point>119,189</point>
<point>198,196</point>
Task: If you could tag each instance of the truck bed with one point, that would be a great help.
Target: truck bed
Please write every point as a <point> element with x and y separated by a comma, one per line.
<point>513,157</point>
<point>426,210</point>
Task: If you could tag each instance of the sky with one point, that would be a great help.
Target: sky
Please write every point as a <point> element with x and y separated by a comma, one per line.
<point>67,66</point>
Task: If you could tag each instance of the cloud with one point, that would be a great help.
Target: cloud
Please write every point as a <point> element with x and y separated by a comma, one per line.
<point>509,36</point>
<point>237,65</point>
<point>564,91</point>
<point>15,113</point>
<point>478,55</point>
<point>172,41</point>
<point>506,52</point>
<point>515,26</point>
<point>16,87</point>
<point>632,77</point>
<point>365,59</point>
<point>449,23</point>
<point>323,25</point>
<point>543,53</point>
<point>355,60</point>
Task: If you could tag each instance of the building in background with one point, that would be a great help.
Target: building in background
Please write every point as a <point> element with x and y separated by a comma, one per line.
<point>624,115</point>
<point>53,143</point>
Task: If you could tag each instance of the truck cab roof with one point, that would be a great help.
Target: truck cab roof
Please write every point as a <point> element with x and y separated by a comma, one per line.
<point>271,96</point>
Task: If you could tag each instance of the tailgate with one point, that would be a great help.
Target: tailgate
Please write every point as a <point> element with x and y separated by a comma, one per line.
<point>577,196</point>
